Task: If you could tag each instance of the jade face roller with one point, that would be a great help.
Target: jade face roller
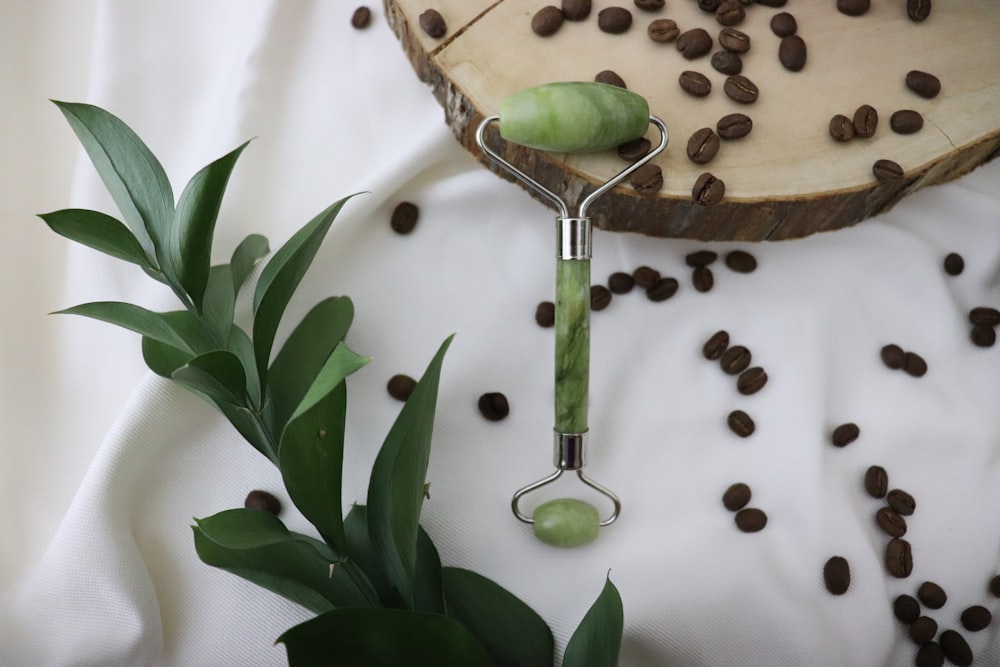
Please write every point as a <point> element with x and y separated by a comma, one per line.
<point>571,117</point>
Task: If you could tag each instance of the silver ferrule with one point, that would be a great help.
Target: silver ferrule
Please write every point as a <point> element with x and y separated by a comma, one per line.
<point>570,450</point>
<point>574,240</point>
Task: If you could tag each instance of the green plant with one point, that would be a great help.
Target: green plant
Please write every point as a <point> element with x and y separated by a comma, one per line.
<point>372,576</point>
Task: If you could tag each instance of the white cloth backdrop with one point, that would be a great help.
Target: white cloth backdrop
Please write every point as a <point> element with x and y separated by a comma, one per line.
<point>103,465</point>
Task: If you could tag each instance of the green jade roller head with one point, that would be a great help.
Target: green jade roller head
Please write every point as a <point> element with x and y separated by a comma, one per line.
<point>571,117</point>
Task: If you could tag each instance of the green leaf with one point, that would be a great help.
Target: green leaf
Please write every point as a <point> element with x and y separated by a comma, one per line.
<point>428,593</point>
<point>281,276</point>
<point>382,638</point>
<point>133,176</point>
<point>361,551</point>
<point>164,359</point>
<point>240,345</point>
<point>511,631</point>
<point>157,326</point>
<point>193,225</point>
<point>250,249</point>
<point>100,232</point>
<point>311,453</point>
<point>598,639</point>
<point>255,545</point>
<point>396,488</point>
<point>219,375</point>
<point>219,302</point>
<point>249,426</point>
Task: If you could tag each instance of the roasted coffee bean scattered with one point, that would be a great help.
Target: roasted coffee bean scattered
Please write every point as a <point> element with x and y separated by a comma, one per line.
<point>735,360</point>
<point>876,481</point>
<point>600,297</point>
<point>404,217</point>
<point>899,558</point>
<point>620,282</point>
<point>576,10</point>
<point>906,608</point>
<point>932,595</point>
<point>716,346</point>
<point>901,501</point>
<point>955,648</point>
<point>853,7</point>
<point>976,618</point>
<point>923,630</point>
<point>730,13</point>
<point>494,406</point>
<point>635,149</point>
<point>663,289</point>
<point>751,381</point>
<point>792,53</point>
<point>663,30</point>
<point>741,89</point>
<point>893,356</point>
<point>650,5</point>
<point>994,586</point>
<point>841,128</point>
<point>923,84</point>
<point>432,23</point>
<point>954,264</point>
<point>784,24</point>
<point>750,520</point>
<point>647,179</point>
<point>741,261</point>
<point>610,77</point>
<point>645,277</point>
<point>837,575</point>
<point>695,83</point>
<point>694,43</point>
<point>865,121</point>
<point>709,6</point>
<point>906,121</point>
<point>741,423</point>
<point>929,655</point>
<point>545,314</point>
<point>914,364</point>
<point>887,171</point>
<point>708,190</point>
<point>262,500</point>
<point>614,20</point>
<point>918,10</point>
<point>985,315</point>
<point>734,41</point>
<point>703,146</point>
<point>400,386</point>
<point>361,17</point>
<point>891,523</point>
<point>845,434</point>
<point>983,336</point>
<point>736,497</point>
<point>700,258</point>
<point>547,21</point>
<point>727,62</point>
<point>772,3</point>
<point>734,126</point>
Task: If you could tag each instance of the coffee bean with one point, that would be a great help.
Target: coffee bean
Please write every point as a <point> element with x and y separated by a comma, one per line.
<point>918,10</point>
<point>708,190</point>
<point>547,21</point>
<point>887,171</point>
<point>901,501</point>
<point>741,423</point>
<point>845,434</point>
<point>772,3</point>
<point>932,595</point>
<point>361,17</point>
<point>906,121</point>
<point>404,217</point>
<point>853,7</point>
<point>576,10</point>
<point>983,336</point>
<point>663,289</point>
<point>954,264</point>
<point>976,618</point>
<point>865,121</point>
<point>741,261</point>
<point>891,523</point>
<point>734,126</point>
<point>994,586</point>
<point>985,315</point>
<point>433,24</point>
<point>620,282</point>
<point>647,179</point>
<point>735,360</point>
<point>401,386</point>
<point>741,89</point>
<point>703,146</point>
<point>614,20</point>
<point>906,608</point>
<point>792,53</point>
<point>899,558</point>
<point>841,128</point>
<point>663,30</point>
<point>736,497</point>
<point>734,41</point>
<point>262,500</point>
<point>694,83</point>
<point>494,406</point>
<point>727,62</point>
<point>914,364</point>
<point>694,43</point>
<point>751,381</point>
<point>709,5</point>
<point>716,346</point>
<point>923,630</point>
<point>929,655</point>
<point>700,258</point>
<point>635,149</point>
<point>923,84</point>
<point>837,575</point>
<point>783,24</point>
<point>650,5</point>
<point>610,77</point>
<point>730,13</point>
<point>750,520</point>
<point>600,297</point>
<point>955,648</point>
<point>645,277</point>
<point>545,314</point>
<point>876,481</point>
<point>893,356</point>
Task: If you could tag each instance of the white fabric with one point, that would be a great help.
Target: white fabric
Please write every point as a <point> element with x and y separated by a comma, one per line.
<point>104,465</point>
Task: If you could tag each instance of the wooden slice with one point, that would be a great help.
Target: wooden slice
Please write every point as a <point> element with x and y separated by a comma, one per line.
<point>788,178</point>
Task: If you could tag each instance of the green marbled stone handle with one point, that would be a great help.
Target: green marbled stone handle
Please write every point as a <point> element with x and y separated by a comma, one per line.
<point>572,325</point>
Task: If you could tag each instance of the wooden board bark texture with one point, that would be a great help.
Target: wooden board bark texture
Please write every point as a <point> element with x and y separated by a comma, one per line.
<point>788,178</point>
